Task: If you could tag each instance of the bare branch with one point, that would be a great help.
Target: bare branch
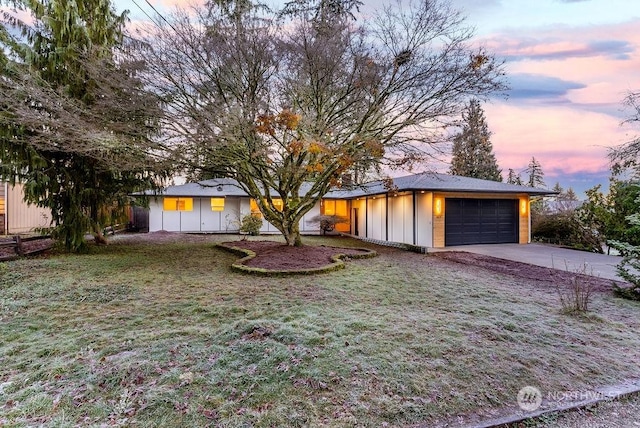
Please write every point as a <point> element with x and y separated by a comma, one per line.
<point>276,100</point>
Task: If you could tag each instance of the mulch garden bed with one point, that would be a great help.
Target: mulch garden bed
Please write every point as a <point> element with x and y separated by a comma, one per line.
<point>278,256</point>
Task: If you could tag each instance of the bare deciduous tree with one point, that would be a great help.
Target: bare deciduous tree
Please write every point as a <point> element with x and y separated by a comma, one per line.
<point>278,99</point>
<point>627,155</point>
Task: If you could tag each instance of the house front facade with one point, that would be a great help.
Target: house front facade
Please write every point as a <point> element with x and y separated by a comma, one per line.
<point>427,210</point>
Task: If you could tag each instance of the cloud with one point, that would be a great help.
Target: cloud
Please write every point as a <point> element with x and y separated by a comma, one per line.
<point>560,42</point>
<point>563,139</point>
<point>551,48</point>
<point>524,85</point>
<point>588,68</point>
<point>476,5</point>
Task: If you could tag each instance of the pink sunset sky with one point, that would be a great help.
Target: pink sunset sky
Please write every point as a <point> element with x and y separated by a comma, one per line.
<point>569,65</point>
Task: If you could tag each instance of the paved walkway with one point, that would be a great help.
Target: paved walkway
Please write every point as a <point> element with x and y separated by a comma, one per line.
<point>600,265</point>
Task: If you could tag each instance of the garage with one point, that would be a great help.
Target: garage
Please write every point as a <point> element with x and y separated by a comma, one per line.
<point>480,221</point>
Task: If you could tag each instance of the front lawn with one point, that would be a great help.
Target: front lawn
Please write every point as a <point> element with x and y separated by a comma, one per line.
<point>165,334</point>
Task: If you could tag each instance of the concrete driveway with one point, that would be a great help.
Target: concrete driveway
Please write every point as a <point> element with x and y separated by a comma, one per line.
<point>600,265</point>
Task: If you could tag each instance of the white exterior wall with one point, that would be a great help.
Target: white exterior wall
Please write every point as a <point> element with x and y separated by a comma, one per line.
<point>401,218</point>
<point>190,220</point>
<point>371,218</point>
<point>305,224</point>
<point>203,219</point>
<point>155,215</point>
<point>21,217</point>
<point>245,208</point>
<point>227,220</point>
<point>376,218</point>
<point>424,222</point>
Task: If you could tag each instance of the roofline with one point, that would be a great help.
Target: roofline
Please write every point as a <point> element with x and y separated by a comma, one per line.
<point>365,194</point>
<point>538,192</point>
<point>364,190</point>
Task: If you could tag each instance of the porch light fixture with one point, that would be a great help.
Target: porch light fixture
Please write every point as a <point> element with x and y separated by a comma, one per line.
<point>523,207</point>
<point>437,209</point>
<point>217,204</point>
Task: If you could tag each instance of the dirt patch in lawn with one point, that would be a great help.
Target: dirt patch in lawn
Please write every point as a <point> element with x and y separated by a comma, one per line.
<point>526,271</point>
<point>164,237</point>
<point>277,256</point>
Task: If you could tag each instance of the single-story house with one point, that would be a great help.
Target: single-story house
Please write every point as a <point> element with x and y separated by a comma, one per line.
<point>16,216</point>
<point>427,210</point>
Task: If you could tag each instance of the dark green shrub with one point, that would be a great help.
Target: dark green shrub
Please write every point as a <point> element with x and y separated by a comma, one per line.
<point>251,224</point>
<point>629,267</point>
<point>565,229</point>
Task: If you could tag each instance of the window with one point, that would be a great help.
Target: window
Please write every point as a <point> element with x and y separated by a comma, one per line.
<point>328,207</point>
<point>254,208</point>
<point>217,204</point>
<point>178,204</point>
<point>277,203</point>
<point>334,207</point>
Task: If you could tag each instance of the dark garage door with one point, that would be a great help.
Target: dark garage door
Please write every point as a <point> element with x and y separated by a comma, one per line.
<point>480,221</point>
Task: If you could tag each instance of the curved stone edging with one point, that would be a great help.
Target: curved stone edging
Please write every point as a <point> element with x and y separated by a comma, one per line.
<point>246,255</point>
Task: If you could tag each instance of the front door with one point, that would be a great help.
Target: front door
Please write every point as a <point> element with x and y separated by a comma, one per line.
<point>354,221</point>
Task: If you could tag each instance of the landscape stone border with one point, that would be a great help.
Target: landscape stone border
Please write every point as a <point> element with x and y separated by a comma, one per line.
<point>337,262</point>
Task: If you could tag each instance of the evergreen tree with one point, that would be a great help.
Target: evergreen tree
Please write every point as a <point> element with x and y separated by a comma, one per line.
<point>77,124</point>
<point>566,201</point>
<point>536,175</point>
<point>570,195</point>
<point>514,178</point>
<point>558,188</point>
<point>472,149</point>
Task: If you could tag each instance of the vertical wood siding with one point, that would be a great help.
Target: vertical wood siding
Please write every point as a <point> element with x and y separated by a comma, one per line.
<point>438,222</point>
<point>525,236</point>
<point>21,217</point>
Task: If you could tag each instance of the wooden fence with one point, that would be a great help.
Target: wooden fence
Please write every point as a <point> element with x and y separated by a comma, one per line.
<point>20,247</point>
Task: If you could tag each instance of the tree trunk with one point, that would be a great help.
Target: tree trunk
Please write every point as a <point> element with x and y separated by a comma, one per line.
<point>291,233</point>
<point>98,237</point>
